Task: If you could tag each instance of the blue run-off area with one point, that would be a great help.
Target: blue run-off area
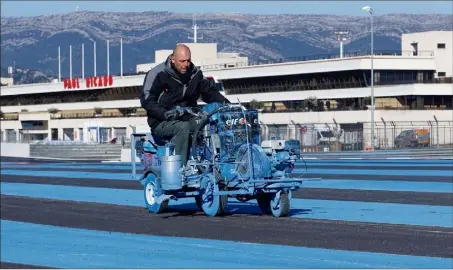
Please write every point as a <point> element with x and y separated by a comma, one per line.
<point>78,248</point>
<point>62,247</point>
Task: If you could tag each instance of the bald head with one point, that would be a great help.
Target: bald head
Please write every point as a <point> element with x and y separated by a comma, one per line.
<point>181,58</point>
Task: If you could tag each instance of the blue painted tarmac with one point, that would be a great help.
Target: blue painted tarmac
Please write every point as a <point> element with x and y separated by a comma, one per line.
<point>77,248</point>
<point>423,215</point>
<point>63,247</point>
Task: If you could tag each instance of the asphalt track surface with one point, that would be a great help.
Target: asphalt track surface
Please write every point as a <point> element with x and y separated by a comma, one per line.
<point>362,214</point>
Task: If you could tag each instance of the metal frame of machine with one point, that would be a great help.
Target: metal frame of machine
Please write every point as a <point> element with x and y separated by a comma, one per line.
<point>216,171</point>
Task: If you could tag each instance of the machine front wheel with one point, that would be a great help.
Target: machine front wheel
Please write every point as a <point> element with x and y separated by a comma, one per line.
<point>280,203</point>
<point>152,191</point>
<point>211,204</point>
<point>264,202</point>
<point>198,202</point>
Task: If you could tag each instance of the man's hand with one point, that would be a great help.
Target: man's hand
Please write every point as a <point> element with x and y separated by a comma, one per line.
<point>170,115</point>
<point>174,114</point>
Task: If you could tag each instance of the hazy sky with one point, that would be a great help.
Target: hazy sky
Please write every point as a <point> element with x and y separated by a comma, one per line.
<point>20,8</point>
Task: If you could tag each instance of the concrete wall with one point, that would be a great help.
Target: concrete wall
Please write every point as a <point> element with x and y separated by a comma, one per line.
<point>10,125</point>
<point>15,150</point>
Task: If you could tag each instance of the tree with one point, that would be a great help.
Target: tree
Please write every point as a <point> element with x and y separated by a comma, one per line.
<point>52,110</point>
<point>255,104</point>
<point>98,110</point>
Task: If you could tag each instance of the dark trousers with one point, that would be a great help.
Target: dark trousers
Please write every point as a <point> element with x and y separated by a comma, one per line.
<point>179,131</point>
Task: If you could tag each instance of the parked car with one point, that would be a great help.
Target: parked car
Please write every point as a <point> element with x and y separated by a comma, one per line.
<point>413,138</point>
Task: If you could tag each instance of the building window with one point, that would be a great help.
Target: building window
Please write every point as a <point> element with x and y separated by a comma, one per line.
<point>441,74</point>
<point>441,45</point>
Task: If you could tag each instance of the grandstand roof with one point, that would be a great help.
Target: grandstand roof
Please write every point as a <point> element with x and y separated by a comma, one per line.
<point>302,67</point>
<point>327,65</point>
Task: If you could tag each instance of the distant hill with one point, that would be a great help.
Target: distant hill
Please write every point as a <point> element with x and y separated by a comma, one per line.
<point>32,42</point>
<point>26,76</point>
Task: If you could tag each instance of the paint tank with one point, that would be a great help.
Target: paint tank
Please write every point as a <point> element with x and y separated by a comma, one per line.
<point>170,166</point>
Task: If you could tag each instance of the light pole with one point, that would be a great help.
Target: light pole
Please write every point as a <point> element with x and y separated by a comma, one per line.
<point>341,39</point>
<point>94,57</point>
<point>370,10</point>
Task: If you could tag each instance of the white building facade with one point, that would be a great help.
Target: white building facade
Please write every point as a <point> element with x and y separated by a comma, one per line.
<point>439,43</point>
<point>64,120</point>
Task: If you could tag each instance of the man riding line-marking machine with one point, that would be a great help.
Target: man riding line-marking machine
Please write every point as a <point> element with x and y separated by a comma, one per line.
<point>209,153</point>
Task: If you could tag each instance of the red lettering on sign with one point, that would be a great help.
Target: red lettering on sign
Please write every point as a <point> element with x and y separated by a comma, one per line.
<point>89,82</point>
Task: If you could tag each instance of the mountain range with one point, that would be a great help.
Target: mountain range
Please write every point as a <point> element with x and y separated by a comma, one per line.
<point>31,43</point>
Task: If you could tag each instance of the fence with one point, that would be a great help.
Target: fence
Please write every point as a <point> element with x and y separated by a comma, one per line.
<point>440,133</point>
<point>316,137</point>
<point>330,137</point>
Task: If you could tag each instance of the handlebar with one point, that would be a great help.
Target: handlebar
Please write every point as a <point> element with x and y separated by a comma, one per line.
<point>236,106</point>
<point>179,111</point>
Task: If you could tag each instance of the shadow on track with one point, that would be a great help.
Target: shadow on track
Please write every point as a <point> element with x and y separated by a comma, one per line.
<point>233,209</point>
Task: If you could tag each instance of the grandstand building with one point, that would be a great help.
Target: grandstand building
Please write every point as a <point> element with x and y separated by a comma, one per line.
<point>412,85</point>
<point>4,81</point>
<point>204,55</point>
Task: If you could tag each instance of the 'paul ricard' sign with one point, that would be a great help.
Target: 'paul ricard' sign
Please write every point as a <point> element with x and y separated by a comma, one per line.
<point>90,82</point>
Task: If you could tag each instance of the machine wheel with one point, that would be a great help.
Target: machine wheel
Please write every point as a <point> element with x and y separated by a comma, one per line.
<point>223,198</point>
<point>211,204</point>
<point>280,203</point>
<point>223,203</point>
<point>264,202</point>
<point>152,191</point>
<point>198,202</point>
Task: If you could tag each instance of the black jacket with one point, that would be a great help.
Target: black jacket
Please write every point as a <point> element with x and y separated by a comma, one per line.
<point>162,90</point>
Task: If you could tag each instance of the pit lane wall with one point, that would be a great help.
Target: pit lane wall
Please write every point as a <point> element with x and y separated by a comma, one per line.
<point>15,150</point>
